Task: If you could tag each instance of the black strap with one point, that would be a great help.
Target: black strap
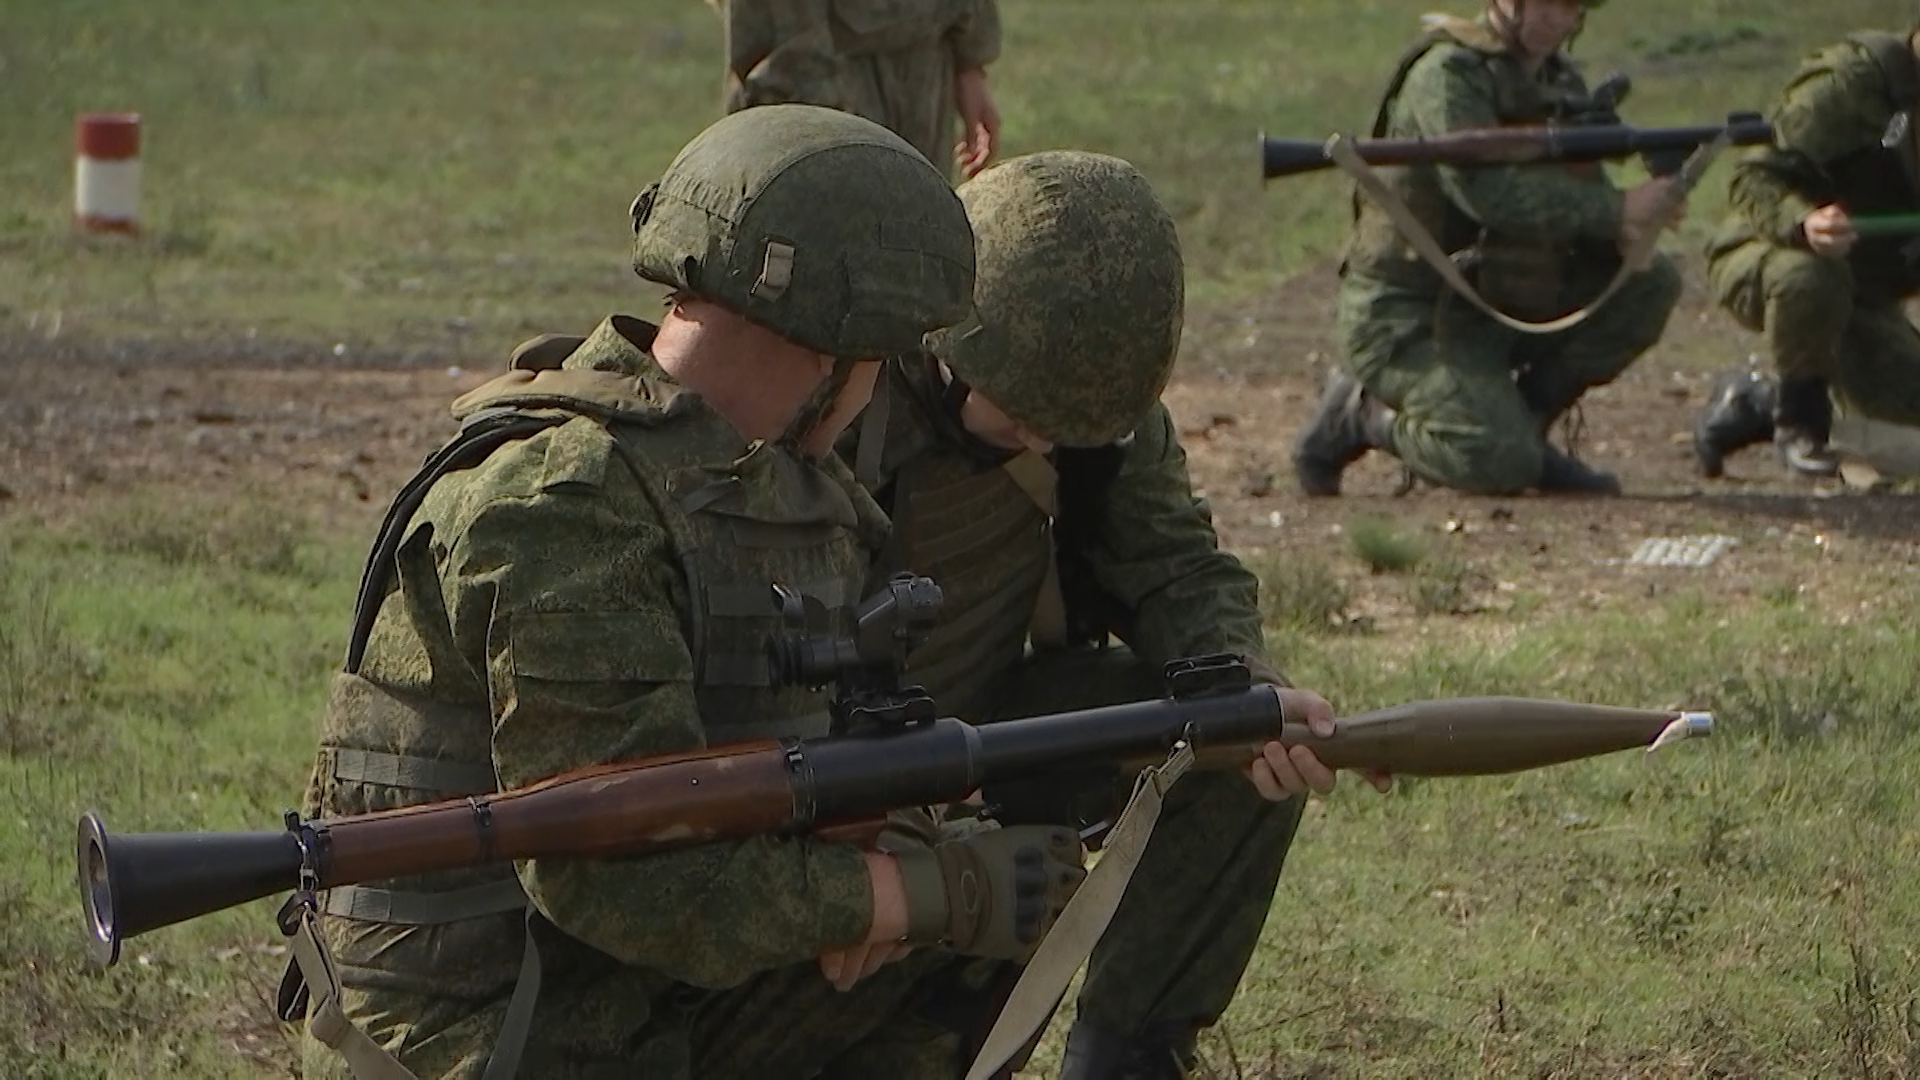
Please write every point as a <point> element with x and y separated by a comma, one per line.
<point>1087,475</point>
<point>480,435</point>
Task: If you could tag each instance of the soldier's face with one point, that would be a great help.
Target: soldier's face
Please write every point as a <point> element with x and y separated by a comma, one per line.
<point>754,377</point>
<point>1542,26</point>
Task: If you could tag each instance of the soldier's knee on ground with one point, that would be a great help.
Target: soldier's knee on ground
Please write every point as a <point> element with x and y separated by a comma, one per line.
<point>1494,462</point>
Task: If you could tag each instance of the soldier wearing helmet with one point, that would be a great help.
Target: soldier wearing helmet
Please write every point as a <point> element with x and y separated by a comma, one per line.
<point>584,575</point>
<point>908,64</point>
<point>1030,468</point>
<point>1790,264</point>
<point>1461,399</point>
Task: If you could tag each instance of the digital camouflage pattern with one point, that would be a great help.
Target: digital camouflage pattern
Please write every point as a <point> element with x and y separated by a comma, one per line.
<point>1472,397</point>
<point>1839,320</point>
<point>891,61</point>
<point>542,623</point>
<point>826,228</point>
<point>1081,368</point>
<point>980,521</point>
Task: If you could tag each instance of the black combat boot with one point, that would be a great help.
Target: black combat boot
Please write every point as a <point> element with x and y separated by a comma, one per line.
<point>1094,1053</point>
<point>1549,396</point>
<point>1563,474</point>
<point>1548,391</point>
<point>1802,425</point>
<point>1739,414</point>
<point>1348,423</point>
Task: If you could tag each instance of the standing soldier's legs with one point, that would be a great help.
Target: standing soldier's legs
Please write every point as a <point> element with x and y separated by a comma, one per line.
<point>1878,375</point>
<point>1171,960</point>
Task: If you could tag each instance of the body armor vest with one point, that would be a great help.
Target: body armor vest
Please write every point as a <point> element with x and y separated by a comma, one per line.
<point>738,524</point>
<point>985,536</point>
<point>1006,542</point>
<point>1517,274</point>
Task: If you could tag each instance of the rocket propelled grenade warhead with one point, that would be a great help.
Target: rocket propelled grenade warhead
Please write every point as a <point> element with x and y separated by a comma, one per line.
<point>1490,735</point>
<point>1688,725</point>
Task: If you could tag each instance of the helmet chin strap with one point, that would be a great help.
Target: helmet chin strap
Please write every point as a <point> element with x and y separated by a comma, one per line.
<point>818,404</point>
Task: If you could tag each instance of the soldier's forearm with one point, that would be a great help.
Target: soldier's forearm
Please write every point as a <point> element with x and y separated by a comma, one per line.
<point>782,900</point>
<point>1770,205</point>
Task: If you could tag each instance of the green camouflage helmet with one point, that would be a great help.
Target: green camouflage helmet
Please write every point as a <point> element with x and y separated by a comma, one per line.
<point>826,228</point>
<point>1078,302</point>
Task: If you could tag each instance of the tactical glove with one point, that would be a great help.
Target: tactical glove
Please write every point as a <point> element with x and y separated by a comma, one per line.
<point>994,893</point>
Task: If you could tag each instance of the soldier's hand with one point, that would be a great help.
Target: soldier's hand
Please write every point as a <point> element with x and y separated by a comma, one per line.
<point>846,967</point>
<point>979,120</point>
<point>1649,207</point>
<point>1829,231</point>
<point>995,893</point>
<point>1283,772</point>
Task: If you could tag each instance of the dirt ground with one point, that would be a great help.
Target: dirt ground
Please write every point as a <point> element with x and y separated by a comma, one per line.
<point>335,435</point>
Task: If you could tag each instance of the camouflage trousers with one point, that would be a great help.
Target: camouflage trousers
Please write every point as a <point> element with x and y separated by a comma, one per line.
<point>1173,956</point>
<point>1817,325</point>
<point>1474,398</point>
<point>919,1018</point>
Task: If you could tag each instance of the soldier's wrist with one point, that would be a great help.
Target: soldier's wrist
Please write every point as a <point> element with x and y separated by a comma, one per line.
<point>892,906</point>
<point>923,889</point>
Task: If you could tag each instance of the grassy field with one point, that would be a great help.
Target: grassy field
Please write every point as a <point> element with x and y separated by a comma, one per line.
<point>430,180</point>
<point>1740,907</point>
<point>383,174</point>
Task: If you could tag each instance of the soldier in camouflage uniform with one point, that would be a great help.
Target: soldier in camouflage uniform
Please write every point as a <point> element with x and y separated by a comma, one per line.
<point>1788,262</point>
<point>1462,400</point>
<point>584,575</point>
<point>907,64</point>
<point>1031,468</point>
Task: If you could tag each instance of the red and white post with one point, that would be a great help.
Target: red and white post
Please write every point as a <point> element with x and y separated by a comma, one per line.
<point>106,172</point>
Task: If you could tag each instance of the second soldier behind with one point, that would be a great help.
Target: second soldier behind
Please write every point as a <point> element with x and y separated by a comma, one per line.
<point>1031,469</point>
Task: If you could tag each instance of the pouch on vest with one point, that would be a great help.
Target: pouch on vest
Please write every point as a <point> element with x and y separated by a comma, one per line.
<point>1524,280</point>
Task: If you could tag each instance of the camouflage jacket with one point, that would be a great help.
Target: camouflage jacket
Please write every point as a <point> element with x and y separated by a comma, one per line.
<point>980,522</point>
<point>1828,129</point>
<point>1526,219</point>
<point>597,590</point>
